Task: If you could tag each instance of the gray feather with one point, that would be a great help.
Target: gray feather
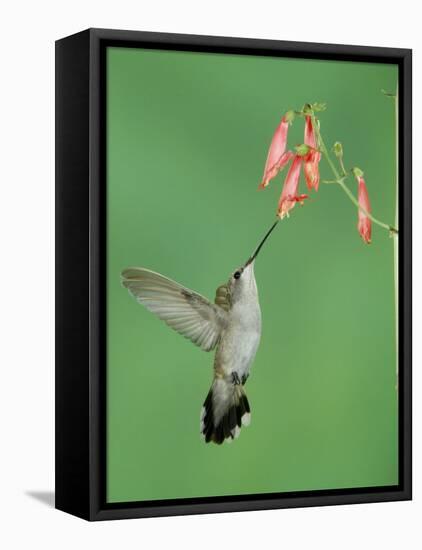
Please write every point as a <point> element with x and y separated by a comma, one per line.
<point>184,310</point>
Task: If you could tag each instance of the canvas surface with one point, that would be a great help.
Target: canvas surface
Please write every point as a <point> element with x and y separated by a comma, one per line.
<point>187,138</point>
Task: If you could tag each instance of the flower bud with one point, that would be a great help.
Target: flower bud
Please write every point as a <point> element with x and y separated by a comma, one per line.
<point>357,172</point>
<point>307,109</point>
<point>302,149</point>
<point>338,149</point>
<point>289,116</point>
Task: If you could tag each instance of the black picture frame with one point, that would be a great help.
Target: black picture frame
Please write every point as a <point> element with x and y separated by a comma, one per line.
<point>81,261</point>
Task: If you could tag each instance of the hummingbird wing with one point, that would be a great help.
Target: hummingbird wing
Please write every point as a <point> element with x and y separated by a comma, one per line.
<point>184,310</point>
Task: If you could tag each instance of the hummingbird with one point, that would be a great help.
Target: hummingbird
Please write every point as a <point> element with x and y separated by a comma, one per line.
<point>231,326</point>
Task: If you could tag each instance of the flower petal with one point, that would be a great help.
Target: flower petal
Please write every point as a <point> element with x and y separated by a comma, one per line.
<point>311,170</point>
<point>275,152</point>
<point>309,138</point>
<point>289,195</point>
<point>284,159</point>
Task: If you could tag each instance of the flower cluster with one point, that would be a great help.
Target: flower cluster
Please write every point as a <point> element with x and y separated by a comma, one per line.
<point>306,154</point>
<point>309,155</point>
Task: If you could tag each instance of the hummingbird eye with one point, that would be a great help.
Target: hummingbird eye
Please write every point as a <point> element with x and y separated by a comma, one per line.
<point>237,275</point>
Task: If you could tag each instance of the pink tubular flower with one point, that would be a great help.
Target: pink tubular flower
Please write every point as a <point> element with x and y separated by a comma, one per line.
<point>311,160</point>
<point>289,196</point>
<point>364,223</point>
<point>277,158</point>
<point>309,133</point>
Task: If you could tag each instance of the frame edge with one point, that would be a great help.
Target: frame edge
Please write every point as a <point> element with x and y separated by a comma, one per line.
<point>72,257</point>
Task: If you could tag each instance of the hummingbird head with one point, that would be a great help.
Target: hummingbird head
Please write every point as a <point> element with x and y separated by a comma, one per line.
<point>242,282</point>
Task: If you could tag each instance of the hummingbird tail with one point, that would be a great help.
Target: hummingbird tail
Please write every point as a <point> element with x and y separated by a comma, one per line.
<point>225,410</point>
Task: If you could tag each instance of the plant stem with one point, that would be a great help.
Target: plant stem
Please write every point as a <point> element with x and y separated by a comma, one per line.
<point>342,166</point>
<point>340,180</point>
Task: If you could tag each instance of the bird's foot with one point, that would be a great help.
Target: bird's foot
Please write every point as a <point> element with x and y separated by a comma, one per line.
<point>235,379</point>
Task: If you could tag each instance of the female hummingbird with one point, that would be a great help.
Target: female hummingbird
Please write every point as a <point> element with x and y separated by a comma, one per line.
<point>231,325</point>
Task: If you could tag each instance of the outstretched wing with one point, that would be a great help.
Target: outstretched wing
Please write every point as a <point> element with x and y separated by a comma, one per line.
<point>182,309</point>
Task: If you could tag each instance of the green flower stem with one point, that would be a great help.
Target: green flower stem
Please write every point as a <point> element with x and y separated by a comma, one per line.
<point>340,180</point>
<point>343,169</point>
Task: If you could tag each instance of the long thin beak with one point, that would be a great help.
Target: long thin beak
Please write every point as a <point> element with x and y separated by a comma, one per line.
<point>261,244</point>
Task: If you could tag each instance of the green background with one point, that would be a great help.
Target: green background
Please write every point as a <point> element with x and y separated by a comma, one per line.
<point>187,139</point>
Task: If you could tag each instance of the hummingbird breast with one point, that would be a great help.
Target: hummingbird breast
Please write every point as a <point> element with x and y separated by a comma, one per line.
<point>240,340</point>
